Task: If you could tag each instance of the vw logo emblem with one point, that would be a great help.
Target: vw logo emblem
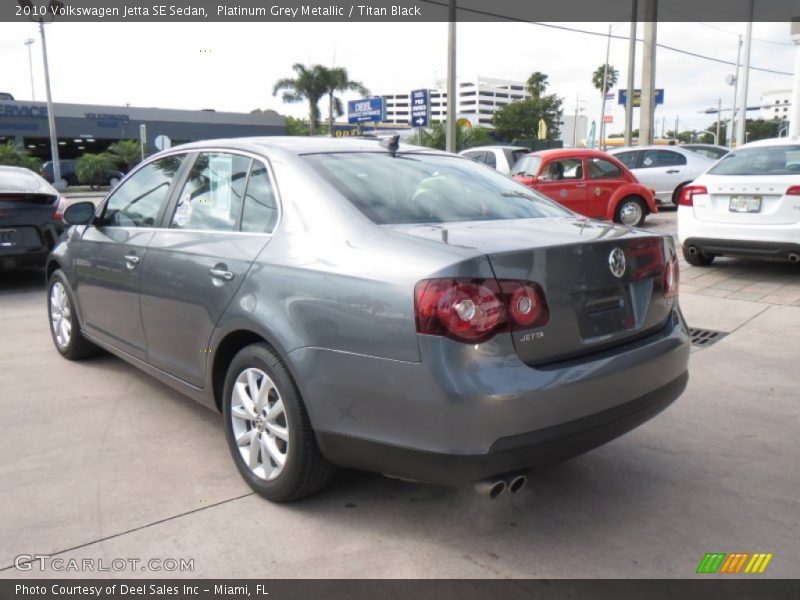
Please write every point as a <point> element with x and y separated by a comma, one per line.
<point>616,262</point>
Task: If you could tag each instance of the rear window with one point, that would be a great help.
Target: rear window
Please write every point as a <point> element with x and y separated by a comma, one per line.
<point>424,188</point>
<point>19,181</point>
<point>527,165</point>
<point>764,160</point>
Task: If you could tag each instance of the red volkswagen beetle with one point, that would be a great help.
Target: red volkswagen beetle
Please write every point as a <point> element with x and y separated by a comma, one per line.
<point>589,182</point>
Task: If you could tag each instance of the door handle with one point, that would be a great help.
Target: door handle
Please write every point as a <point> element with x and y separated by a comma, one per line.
<point>132,260</point>
<point>674,171</point>
<point>220,274</point>
<point>580,185</point>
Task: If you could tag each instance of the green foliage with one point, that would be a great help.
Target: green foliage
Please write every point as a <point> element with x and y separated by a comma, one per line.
<point>300,127</point>
<point>519,121</point>
<point>761,129</point>
<point>309,84</point>
<point>466,137</point>
<point>537,84</point>
<point>11,157</point>
<point>612,76</point>
<point>126,153</point>
<point>338,80</point>
<point>95,169</point>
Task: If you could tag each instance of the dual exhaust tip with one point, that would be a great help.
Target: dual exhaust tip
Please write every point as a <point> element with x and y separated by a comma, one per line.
<point>492,487</point>
<point>793,258</point>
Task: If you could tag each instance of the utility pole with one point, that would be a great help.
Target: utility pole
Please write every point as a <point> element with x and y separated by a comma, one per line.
<point>794,121</point>
<point>719,119</point>
<point>741,137</point>
<point>605,92</point>
<point>631,71</point>
<point>450,136</point>
<point>733,80</point>
<point>575,127</point>
<point>677,124</point>
<point>647,109</point>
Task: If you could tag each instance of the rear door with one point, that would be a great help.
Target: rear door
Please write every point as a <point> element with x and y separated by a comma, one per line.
<point>562,179</point>
<point>109,258</point>
<point>662,170</point>
<point>218,223</point>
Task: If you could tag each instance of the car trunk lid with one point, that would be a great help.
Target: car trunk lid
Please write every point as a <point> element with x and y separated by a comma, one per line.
<point>748,199</point>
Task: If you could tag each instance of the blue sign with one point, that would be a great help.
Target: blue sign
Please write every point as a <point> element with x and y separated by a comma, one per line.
<point>30,111</point>
<point>420,108</point>
<point>366,110</point>
<point>637,97</point>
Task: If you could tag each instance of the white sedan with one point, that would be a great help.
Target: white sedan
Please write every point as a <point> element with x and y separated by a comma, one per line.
<point>747,204</point>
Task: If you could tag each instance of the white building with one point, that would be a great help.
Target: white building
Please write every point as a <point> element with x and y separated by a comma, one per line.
<point>776,104</point>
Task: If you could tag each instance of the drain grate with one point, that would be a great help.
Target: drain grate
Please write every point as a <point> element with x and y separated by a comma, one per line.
<point>703,338</point>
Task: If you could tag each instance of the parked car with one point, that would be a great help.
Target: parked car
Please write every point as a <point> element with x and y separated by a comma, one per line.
<point>666,169</point>
<point>68,174</point>
<point>30,218</point>
<point>590,182</point>
<point>5,96</point>
<point>747,204</point>
<point>363,304</point>
<point>708,150</point>
<point>500,158</point>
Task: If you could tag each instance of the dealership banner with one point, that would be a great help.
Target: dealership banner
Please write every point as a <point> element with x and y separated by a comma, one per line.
<point>392,10</point>
<point>417,589</point>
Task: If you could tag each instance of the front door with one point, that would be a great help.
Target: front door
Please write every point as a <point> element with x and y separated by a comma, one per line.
<point>218,224</point>
<point>109,258</point>
<point>604,179</point>
<point>562,179</point>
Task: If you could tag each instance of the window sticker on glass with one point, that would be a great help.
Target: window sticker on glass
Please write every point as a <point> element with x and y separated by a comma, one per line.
<point>220,171</point>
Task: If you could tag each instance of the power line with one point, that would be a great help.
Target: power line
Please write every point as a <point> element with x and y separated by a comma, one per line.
<point>605,35</point>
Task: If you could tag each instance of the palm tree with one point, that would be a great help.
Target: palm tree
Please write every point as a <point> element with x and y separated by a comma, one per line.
<point>337,80</point>
<point>612,76</point>
<point>128,153</point>
<point>536,84</point>
<point>309,85</point>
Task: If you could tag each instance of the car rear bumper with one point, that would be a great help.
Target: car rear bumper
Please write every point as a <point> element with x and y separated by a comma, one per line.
<point>774,250</point>
<point>471,411</point>
<point>746,239</point>
<point>515,453</point>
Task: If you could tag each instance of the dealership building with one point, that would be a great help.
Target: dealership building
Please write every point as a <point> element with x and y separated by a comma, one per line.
<point>84,128</point>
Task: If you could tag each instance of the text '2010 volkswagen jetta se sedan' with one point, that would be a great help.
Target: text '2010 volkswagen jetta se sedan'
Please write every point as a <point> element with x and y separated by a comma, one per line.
<point>358,304</point>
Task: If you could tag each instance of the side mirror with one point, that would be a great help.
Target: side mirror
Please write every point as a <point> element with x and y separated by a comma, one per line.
<point>80,213</point>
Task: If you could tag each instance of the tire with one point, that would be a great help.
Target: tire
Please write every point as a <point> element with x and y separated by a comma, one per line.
<point>64,326</point>
<point>282,435</point>
<point>631,211</point>
<point>699,259</point>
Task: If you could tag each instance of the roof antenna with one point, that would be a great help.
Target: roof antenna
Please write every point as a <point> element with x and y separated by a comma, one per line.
<point>391,143</point>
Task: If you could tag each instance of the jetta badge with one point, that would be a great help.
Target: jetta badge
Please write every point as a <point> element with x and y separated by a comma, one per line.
<point>616,262</point>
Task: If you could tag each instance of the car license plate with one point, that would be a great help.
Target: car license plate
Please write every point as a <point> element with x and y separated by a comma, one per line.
<point>747,204</point>
<point>8,238</point>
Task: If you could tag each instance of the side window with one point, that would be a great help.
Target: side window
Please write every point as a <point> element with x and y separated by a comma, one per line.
<point>138,201</point>
<point>211,198</point>
<point>476,156</point>
<point>566,168</point>
<point>490,159</point>
<point>260,208</point>
<point>602,169</point>
<point>627,158</point>
<point>662,158</point>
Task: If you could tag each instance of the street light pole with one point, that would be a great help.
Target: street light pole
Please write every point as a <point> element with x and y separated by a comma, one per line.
<point>29,42</point>
<point>53,7</point>
<point>451,132</point>
<point>605,91</point>
<point>631,71</point>
<point>741,138</point>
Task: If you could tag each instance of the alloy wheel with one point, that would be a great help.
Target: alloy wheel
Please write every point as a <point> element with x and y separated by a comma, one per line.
<point>631,213</point>
<point>60,315</point>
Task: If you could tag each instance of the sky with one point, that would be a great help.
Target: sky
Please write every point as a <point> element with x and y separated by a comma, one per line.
<point>233,66</point>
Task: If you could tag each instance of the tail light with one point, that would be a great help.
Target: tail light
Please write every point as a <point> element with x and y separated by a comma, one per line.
<point>689,192</point>
<point>793,191</point>
<point>474,310</point>
<point>671,278</point>
<point>58,215</point>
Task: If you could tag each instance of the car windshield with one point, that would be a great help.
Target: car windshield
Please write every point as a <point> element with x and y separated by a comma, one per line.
<point>527,165</point>
<point>426,188</point>
<point>762,160</point>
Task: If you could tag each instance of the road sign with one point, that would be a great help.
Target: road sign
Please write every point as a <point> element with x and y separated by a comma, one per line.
<point>608,118</point>
<point>366,110</point>
<point>542,131</point>
<point>622,97</point>
<point>420,108</point>
<point>162,142</point>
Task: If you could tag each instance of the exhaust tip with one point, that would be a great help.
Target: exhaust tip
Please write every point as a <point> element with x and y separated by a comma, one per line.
<point>517,483</point>
<point>490,487</point>
<point>793,258</point>
<point>692,250</point>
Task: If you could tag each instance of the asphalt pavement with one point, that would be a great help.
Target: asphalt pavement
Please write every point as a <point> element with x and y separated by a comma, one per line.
<point>99,461</point>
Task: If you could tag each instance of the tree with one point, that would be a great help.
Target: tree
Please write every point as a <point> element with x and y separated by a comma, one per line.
<point>338,80</point>
<point>519,121</point>
<point>127,153</point>
<point>95,169</point>
<point>12,157</point>
<point>536,85</point>
<point>300,127</point>
<point>760,129</point>
<point>612,76</point>
<point>309,85</point>
<point>466,137</point>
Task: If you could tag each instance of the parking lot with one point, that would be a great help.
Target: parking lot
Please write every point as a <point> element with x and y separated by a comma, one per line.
<point>100,461</point>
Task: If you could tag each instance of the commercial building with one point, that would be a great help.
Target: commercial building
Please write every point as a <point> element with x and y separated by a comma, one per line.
<point>83,128</point>
<point>776,104</point>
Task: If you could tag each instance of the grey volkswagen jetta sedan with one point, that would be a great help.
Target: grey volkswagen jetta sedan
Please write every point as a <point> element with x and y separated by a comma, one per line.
<point>357,304</point>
